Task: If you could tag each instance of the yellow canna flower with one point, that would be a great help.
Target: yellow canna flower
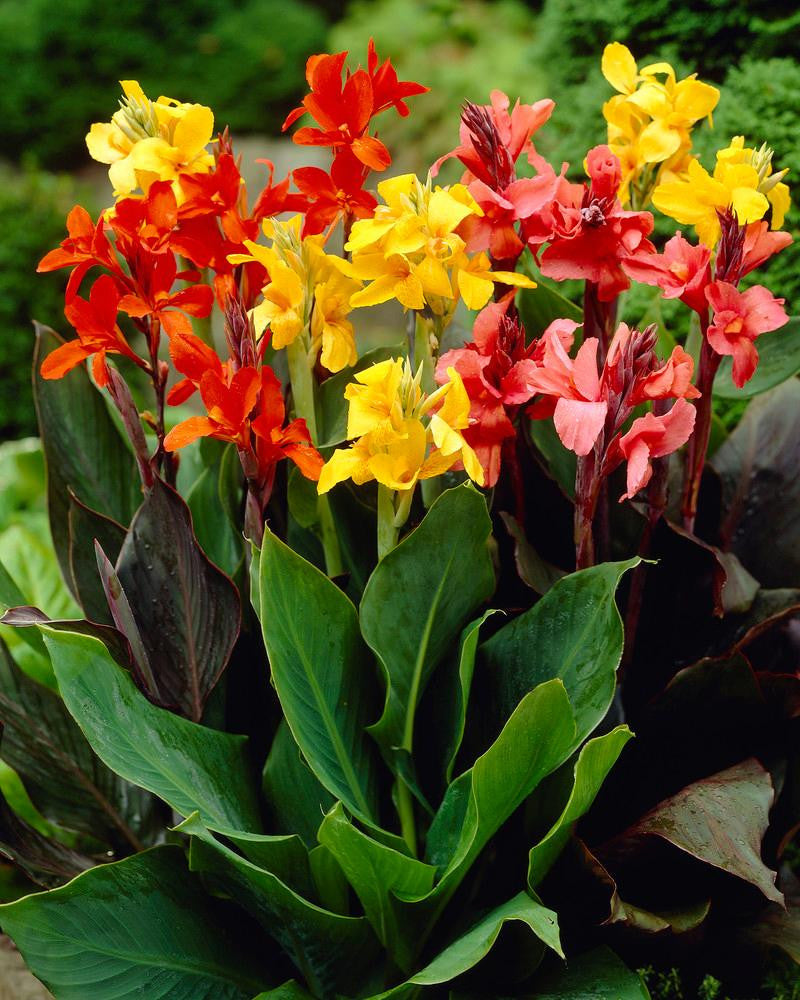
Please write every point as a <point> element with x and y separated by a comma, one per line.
<point>412,250</point>
<point>476,280</point>
<point>148,140</point>
<point>650,119</point>
<point>282,307</point>
<point>309,292</point>
<point>398,441</point>
<point>329,324</point>
<point>742,181</point>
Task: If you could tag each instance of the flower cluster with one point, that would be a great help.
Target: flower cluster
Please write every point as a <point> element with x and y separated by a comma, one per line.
<point>402,434</point>
<point>182,234</point>
<point>413,249</point>
<point>650,119</point>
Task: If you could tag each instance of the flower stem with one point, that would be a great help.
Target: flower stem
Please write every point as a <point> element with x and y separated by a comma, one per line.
<point>304,387</point>
<point>587,490</point>
<point>698,443</point>
<point>387,531</point>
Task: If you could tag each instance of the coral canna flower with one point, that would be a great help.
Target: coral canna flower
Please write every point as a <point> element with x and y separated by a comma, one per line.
<point>651,437</point>
<point>738,319</point>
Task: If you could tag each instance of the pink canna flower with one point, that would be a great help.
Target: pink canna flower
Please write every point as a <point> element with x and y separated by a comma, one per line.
<point>652,437</point>
<point>738,319</point>
<point>760,243</point>
<point>497,370</point>
<point>681,272</point>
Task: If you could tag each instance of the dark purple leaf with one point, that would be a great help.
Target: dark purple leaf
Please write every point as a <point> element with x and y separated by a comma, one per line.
<point>87,527</point>
<point>187,611</point>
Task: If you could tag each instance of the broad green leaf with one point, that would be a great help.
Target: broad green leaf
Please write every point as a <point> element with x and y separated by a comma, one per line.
<point>190,766</point>
<point>332,406</point>
<point>534,571</point>
<point>296,800</point>
<point>212,527</point>
<point>575,633</point>
<point>65,779</point>
<point>467,950</point>
<point>538,738</point>
<point>379,875</point>
<point>419,598</point>
<point>12,597</point>
<point>332,952</point>
<point>595,975</point>
<point>140,927</point>
<point>30,562</point>
<point>285,856</point>
<point>186,609</point>
<point>332,888</point>
<point>595,760</point>
<point>321,671</point>
<point>720,820</point>
<point>539,306</point>
<point>447,705</point>
<point>22,481</point>
<point>778,360</point>
<point>84,450</point>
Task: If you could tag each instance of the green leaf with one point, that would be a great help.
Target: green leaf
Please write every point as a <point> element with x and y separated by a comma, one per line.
<point>538,738</point>
<point>320,669</point>
<point>332,406</point>
<point>12,597</point>
<point>449,706</point>
<point>379,875</point>
<point>778,360</point>
<point>575,633</point>
<point>140,927</point>
<point>84,450</point>
<point>595,760</point>
<point>213,529</point>
<point>65,779</point>
<point>189,766</point>
<point>295,798</point>
<point>467,950</point>
<point>186,610</point>
<point>539,306</point>
<point>418,599</point>
<point>333,952</point>
<point>534,571</point>
<point>595,975</point>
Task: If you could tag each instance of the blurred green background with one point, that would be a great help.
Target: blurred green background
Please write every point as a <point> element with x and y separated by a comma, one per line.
<point>61,60</point>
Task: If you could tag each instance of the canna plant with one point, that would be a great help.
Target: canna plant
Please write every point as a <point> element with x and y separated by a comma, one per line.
<point>313,731</point>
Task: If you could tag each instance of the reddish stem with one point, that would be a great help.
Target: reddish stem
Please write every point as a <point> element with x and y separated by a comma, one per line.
<point>588,479</point>
<point>698,443</point>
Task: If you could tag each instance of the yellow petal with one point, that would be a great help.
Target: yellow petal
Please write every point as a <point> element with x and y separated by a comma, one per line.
<point>409,293</point>
<point>338,346</point>
<point>476,290</point>
<point>658,142</point>
<point>619,67</point>
<point>344,463</point>
<point>194,130</point>
<point>749,205</point>
<point>781,202</point>
<point>445,213</point>
<point>106,143</point>
<point>131,88</point>
<point>123,176</point>
<point>434,278</point>
<point>380,290</point>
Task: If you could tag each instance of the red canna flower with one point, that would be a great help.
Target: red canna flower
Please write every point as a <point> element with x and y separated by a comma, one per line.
<point>334,196</point>
<point>681,272</point>
<point>85,247</point>
<point>273,440</point>
<point>738,319</point>
<point>229,399</point>
<point>156,275</point>
<point>95,322</point>
<point>343,109</point>
<point>760,243</point>
<point>592,237</point>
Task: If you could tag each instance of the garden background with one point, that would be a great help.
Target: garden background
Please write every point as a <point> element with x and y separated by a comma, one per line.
<point>62,59</point>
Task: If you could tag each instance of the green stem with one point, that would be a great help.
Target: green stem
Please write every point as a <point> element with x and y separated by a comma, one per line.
<point>390,519</point>
<point>304,393</point>
<point>387,531</point>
